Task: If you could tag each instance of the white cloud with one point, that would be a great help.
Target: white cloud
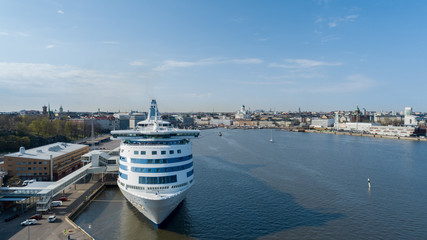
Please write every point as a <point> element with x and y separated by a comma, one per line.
<point>22,34</point>
<point>267,83</point>
<point>60,12</point>
<point>334,22</point>
<point>303,64</point>
<point>137,63</point>
<point>247,60</point>
<point>110,42</point>
<point>4,33</point>
<point>168,64</point>
<point>50,46</point>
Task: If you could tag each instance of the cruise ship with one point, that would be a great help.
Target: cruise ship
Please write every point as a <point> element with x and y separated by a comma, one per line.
<point>156,165</point>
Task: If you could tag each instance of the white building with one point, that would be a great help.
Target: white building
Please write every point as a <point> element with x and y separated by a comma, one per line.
<point>321,123</point>
<point>243,114</point>
<point>221,122</point>
<point>399,131</point>
<point>358,126</point>
<point>410,120</point>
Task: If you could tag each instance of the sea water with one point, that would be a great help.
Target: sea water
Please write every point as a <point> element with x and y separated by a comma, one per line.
<point>301,186</point>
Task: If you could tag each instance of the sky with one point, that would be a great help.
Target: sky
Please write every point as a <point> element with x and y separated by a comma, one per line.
<point>199,55</point>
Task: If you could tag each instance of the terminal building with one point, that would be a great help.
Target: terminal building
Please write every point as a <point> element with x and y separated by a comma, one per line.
<point>46,163</point>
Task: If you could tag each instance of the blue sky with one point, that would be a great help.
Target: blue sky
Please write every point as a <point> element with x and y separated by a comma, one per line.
<point>213,55</point>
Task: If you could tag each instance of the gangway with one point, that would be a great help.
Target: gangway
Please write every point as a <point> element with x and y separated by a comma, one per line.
<point>45,194</point>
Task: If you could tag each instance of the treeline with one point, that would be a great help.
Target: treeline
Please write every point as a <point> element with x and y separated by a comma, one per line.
<point>34,131</point>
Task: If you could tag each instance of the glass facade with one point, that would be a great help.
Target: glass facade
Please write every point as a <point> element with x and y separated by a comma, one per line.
<point>161,170</point>
<point>168,160</point>
<point>158,180</point>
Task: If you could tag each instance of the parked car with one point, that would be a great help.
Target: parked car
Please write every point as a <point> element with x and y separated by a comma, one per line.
<point>63,199</point>
<point>36,216</point>
<point>29,222</point>
<point>56,203</point>
<point>52,218</point>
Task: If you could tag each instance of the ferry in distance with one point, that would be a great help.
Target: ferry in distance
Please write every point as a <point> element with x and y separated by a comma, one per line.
<point>156,165</point>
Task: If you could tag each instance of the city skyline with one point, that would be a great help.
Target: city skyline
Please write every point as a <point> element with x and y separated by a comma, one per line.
<point>212,55</point>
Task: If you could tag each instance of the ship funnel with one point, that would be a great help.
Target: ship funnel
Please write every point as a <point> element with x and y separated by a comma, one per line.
<point>154,112</point>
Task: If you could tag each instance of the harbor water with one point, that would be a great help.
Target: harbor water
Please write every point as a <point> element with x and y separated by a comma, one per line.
<point>301,186</point>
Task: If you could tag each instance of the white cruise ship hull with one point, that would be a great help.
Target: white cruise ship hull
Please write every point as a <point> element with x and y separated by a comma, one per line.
<point>157,208</point>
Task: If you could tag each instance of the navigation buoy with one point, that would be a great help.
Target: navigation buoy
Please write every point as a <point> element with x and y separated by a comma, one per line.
<point>369,183</point>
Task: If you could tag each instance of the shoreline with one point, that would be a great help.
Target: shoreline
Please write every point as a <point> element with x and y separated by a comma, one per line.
<point>421,139</point>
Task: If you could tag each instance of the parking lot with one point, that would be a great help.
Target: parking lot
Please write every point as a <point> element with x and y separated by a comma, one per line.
<point>59,229</point>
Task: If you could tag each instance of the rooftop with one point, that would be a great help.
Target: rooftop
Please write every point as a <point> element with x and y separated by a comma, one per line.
<point>44,152</point>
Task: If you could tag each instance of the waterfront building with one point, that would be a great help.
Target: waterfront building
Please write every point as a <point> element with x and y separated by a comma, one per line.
<point>321,123</point>
<point>358,126</point>
<point>399,131</point>
<point>242,123</point>
<point>221,122</point>
<point>49,162</point>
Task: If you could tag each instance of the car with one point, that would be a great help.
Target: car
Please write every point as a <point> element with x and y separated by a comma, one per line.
<point>29,222</point>
<point>63,199</point>
<point>56,203</point>
<point>52,218</point>
<point>36,216</point>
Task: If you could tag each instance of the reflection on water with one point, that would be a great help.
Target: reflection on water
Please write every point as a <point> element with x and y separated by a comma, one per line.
<point>303,186</point>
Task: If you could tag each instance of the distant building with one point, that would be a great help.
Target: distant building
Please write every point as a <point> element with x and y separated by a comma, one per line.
<point>358,126</point>
<point>243,114</point>
<point>221,122</point>
<point>121,121</point>
<point>135,118</point>
<point>322,123</point>
<point>399,131</point>
<point>410,120</point>
<point>36,163</point>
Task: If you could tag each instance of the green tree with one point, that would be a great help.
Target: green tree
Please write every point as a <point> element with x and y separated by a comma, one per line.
<point>14,181</point>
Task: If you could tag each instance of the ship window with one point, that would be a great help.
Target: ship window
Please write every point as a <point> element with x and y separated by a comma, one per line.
<point>157,160</point>
<point>149,161</point>
<point>170,151</point>
<point>163,152</point>
<point>165,161</point>
<point>154,153</point>
<point>142,152</point>
<point>135,152</point>
<point>178,151</point>
<point>190,173</point>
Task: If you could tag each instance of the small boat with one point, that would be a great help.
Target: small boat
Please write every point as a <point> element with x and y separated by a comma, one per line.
<point>220,134</point>
<point>271,139</point>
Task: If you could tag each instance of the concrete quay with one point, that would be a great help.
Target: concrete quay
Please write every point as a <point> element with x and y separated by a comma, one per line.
<point>79,197</point>
<point>370,135</point>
